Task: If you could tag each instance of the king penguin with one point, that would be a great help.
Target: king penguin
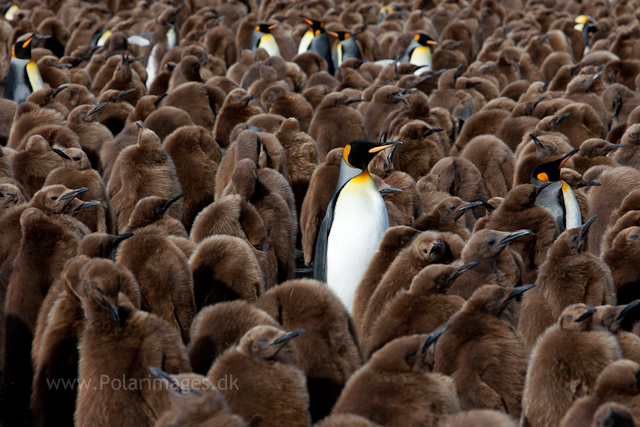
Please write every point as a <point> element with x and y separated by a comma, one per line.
<point>263,38</point>
<point>353,226</point>
<point>24,77</point>
<point>345,48</point>
<point>316,40</point>
<point>587,26</point>
<point>419,52</point>
<point>558,197</point>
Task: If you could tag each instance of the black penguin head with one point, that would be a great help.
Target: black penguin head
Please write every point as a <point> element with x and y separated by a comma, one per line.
<point>341,35</point>
<point>265,28</point>
<point>587,26</point>
<point>22,49</point>
<point>358,154</point>
<point>550,171</point>
<point>316,26</point>
<point>424,39</point>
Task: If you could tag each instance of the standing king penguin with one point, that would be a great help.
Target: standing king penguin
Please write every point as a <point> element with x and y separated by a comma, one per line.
<point>316,40</point>
<point>345,48</point>
<point>419,52</point>
<point>24,77</point>
<point>558,197</point>
<point>353,226</point>
<point>263,38</point>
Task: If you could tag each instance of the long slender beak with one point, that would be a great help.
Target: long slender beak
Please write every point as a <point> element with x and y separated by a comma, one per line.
<point>121,238</point>
<point>114,311</point>
<point>61,153</point>
<point>588,184</point>
<point>333,34</point>
<point>58,90</point>
<point>537,141</point>
<point>86,205</point>
<point>586,225</point>
<point>126,92</point>
<point>171,201</point>
<point>353,101</point>
<point>160,98</point>
<point>173,384</point>
<point>74,193</point>
<point>517,291</point>
<point>385,146</point>
<point>513,236</point>
<point>562,117</point>
<point>567,156</point>
<point>625,311</point>
<point>390,190</point>
<point>398,97</point>
<point>98,108</point>
<point>63,65</point>
<point>462,269</point>
<point>471,205</point>
<point>433,130</point>
<point>433,337</point>
<point>586,315</point>
<point>614,147</point>
<point>289,335</point>
<point>248,98</point>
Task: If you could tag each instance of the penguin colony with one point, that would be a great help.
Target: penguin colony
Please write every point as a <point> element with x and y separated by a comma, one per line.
<point>460,178</point>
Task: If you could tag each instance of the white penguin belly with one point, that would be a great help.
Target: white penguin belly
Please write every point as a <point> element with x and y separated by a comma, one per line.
<point>572,215</point>
<point>359,221</point>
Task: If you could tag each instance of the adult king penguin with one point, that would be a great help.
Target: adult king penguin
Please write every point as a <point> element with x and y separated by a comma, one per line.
<point>24,77</point>
<point>316,40</point>
<point>558,197</point>
<point>263,38</point>
<point>353,226</point>
<point>419,52</point>
<point>587,26</point>
<point>345,48</point>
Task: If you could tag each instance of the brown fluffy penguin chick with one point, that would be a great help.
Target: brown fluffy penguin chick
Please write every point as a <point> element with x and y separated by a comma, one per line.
<point>420,309</point>
<point>236,109</point>
<point>498,264</point>
<point>47,243</point>
<point>494,160</point>
<point>10,196</point>
<point>76,172</point>
<point>29,116</point>
<point>568,276</point>
<point>202,102</point>
<point>276,100</point>
<point>142,170</point>
<point>612,317</point>
<point>618,383</point>
<point>334,113</point>
<point>32,165</point>
<point>398,388</point>
<point>613,414</point>
<point>151,210</point>
<point>219,327</point>
<point>163,272</point>
<point>629,154</point>
<point>429,247</point>
<point>314,207</point>
<point>483,352</point>
<point>301,157</point>
<point>83,120</point>
<point>420,150</point>
<point>196,156</point>
<point>621,258</point>
<point>122,342</point>
<point>270,389</point>
<point>394,240</point>
<point>480,418</point>
<point>329,352</point>
<point>615,184</point>
<point>225,268</point>
<point>60,323</point>
<point>195,402</point>
<point>594,152</point>
<point>518,211</point>
<point>273,210</point>
<point>564,366</point>
<point>101,245</point>
<point>444,217</point>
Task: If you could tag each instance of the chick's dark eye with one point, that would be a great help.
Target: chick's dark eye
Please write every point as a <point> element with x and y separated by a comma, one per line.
<point>442,280</point>
<point>491,242</point>
<point>76,158</point>
<point>54,198</point>
<point>425,250</point>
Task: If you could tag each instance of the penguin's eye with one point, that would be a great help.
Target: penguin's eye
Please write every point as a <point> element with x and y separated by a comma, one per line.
<point>425,250</point>
<point>491,242</point>
<point>54,198</point>
<point>575,239</point>
<point>385,165</point>
<point>255,347</point>
<point>76,158</point>
<point>442,280</point>
<point>451,208</point>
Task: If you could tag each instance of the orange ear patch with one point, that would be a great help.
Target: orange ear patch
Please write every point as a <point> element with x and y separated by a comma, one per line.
<point>25,44</point>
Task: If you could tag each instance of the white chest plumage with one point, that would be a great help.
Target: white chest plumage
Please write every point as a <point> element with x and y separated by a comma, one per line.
<point>359,221</point>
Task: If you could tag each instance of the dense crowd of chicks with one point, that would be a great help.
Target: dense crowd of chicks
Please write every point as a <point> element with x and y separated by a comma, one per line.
<point>162,194</point>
